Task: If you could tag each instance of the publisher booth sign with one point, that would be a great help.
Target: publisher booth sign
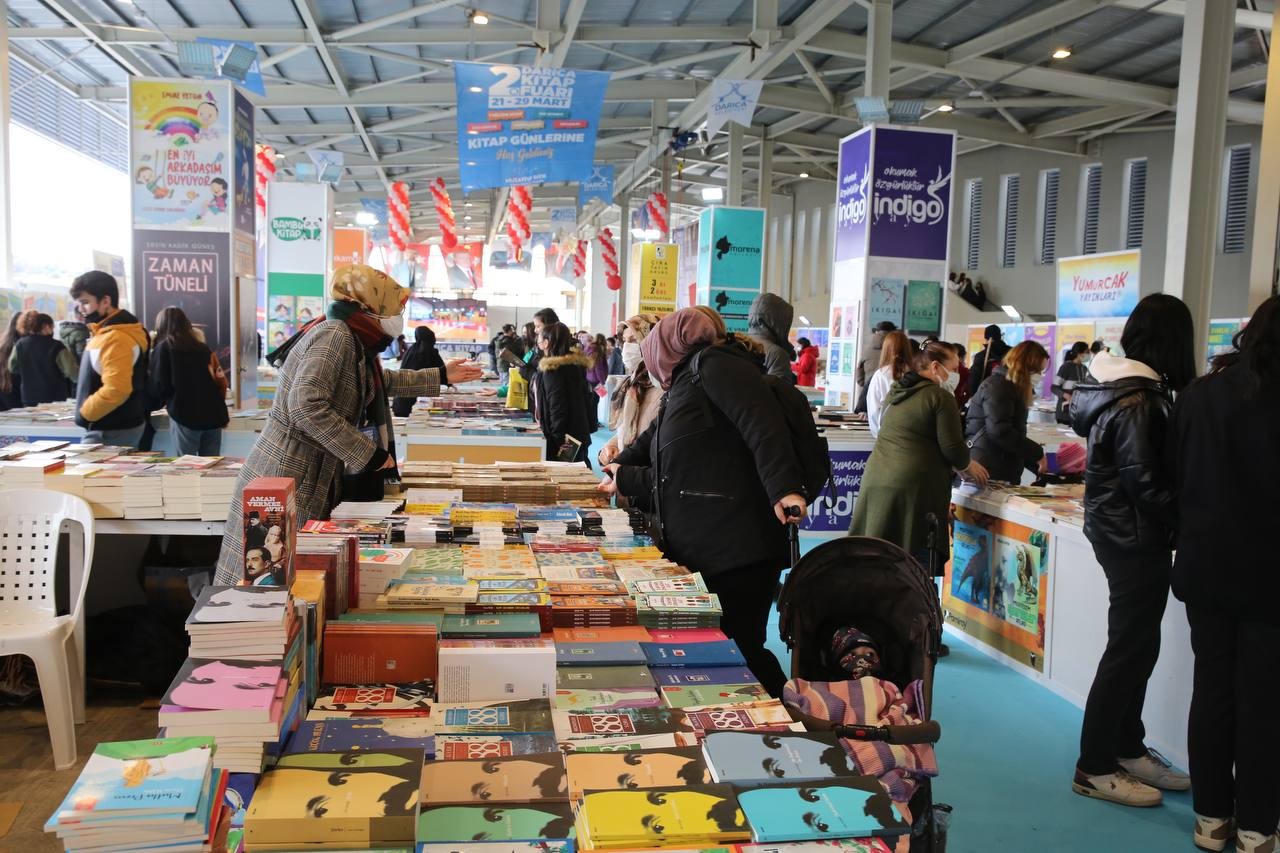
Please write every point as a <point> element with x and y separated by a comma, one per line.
<point>832,511</point>
<point>190,270</point>
<point>1095,287</point>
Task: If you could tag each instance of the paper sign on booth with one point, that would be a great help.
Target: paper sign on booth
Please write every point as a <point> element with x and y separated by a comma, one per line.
<point>1092,287</point>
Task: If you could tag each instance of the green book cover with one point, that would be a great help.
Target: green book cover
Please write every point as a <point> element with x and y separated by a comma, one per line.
<point>490,625</point>
<point>603,677</point>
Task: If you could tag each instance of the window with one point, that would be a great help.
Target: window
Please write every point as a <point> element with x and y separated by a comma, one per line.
<point>973,193</point>
<point>1050,179</point>
<point>46,107</point>
<point>1235,201</point>
<point>1134,211</point>
<point>1090,207</point>
<point>1009,220</point>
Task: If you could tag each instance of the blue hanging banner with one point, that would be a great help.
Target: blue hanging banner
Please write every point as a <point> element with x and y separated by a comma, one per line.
<point>599,185</point>
<point>520,125</point>
<point>236,61</point>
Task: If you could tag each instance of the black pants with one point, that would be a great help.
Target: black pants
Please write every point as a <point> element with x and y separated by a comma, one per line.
<point>1232,725</point>
<point>746,594</point>
<point>1113,729</point>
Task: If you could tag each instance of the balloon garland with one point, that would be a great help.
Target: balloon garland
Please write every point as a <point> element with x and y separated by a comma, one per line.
<point>265,170</point>
<point>444,214</point>
<point>401,230</point>
<point>519,205</point>
<point>609,257</point>
<point>659,212</point>
<point>580,259</point>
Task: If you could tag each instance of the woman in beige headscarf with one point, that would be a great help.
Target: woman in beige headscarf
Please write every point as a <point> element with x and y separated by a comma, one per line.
<point>635,402</point>
<point>329,428</point>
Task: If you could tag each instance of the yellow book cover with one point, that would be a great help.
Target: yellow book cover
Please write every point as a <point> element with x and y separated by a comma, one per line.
<point>640,768</point>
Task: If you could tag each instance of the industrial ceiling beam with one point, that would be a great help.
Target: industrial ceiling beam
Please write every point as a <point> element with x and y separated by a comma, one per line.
<point>1029,26</point>
<point>1245,18</point>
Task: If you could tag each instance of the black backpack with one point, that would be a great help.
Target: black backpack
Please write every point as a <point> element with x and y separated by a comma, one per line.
<point>811,448</point>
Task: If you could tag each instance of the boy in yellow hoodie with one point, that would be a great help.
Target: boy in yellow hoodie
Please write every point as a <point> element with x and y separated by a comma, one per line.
<point>111,401</point>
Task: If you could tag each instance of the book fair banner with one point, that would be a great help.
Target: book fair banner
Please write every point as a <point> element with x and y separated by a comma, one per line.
<point>180,161</point>
<point>1092,287</point>
<point>186,269</point>
<point>518,124</point>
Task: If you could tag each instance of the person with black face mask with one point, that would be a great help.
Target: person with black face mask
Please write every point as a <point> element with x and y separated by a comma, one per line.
<point>111,394</point>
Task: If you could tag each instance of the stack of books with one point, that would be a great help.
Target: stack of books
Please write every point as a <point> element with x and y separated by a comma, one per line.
<point>688,816</point>
<point>519,796</point>
<point>217,488</point>
<point>366,653</point>
<point>28,470</point>
<point>428,595</point>
<point>135,795</point>
<point>369,532</point>
<point>378,567</point>
<point>241,703</point>
<point>104,491</point>
<point>180,488</point>
<point>143,493</point>
<point>678,610</point>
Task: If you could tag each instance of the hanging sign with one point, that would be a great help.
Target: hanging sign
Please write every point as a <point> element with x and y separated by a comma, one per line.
<point>1092,287</point>
<point>519,125</point>
<point>653,278</point>
<point>185,269</point>
<point>597,185</point>
<point>732,101</point>
<point>911,187</point>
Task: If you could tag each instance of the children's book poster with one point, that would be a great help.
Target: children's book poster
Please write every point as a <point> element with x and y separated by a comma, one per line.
<point>995,584</point>
<point>179,153</point>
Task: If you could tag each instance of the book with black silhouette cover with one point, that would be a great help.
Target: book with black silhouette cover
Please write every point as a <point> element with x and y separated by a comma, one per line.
<point>810,811</point>
<point>641,768</point>
<point>356,799</point>
<point>513,779</point>
<point>746,758</point>
<point>688,816</point>
<point>511,822</point>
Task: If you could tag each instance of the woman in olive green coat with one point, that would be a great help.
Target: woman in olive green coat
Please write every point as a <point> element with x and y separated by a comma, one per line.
<point>921,442</point>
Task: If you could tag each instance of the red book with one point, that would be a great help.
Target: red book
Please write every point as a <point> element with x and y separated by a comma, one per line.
<point>270,531</point>
<point>366,653</point>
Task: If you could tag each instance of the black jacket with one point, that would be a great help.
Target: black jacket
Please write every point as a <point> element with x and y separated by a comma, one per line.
<point>181,382</point>
<point>996,429</point>
<point>979,370</point>
<point>1225,457</point>
<point>42,379</point>
<point>560,393</point>
<point>712,465</point>
<point>1070,374</point>
<point>420,355</point>
<point>1128,498</point>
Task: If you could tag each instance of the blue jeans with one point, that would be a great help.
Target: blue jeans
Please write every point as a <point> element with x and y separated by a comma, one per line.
<point>124,437</point>
<point>195,442</point>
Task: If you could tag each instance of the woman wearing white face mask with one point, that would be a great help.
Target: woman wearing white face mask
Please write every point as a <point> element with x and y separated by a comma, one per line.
<point>996,423</point>
<point>635,402</point>
<point>921,442</point>
<point>329,427</point>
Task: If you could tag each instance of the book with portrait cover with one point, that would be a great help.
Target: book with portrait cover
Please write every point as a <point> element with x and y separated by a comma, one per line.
<point>270,531</point>
<point>508,779</point>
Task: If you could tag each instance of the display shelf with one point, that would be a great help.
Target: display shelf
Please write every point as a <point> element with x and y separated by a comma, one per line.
<point>156,527</point>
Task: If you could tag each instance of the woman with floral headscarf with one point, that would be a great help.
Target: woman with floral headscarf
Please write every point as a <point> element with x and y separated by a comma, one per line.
<point>329,427</point>
<point>635,402</point>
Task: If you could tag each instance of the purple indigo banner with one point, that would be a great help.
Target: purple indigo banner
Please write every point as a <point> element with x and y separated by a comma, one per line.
<point>852,197</point>
<point>911,188</point>
<point>833,509</point>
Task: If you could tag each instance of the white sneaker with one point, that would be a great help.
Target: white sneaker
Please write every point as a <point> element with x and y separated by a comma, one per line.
<point>1118,787</point>
<point>1256,842</point>
<point>1154,769</point>
<point>1214,833</point>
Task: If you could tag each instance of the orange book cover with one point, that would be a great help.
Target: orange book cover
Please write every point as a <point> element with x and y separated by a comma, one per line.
<point>374,653</point>
<point>621,634</point>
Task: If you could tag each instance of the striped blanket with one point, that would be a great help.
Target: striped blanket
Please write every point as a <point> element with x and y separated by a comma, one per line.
<point>872,702</point>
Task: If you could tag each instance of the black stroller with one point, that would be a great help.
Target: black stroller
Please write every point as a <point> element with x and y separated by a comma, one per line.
<point>885,592</point>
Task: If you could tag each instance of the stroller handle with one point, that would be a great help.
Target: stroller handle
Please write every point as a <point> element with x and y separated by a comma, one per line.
<point>927,732</point>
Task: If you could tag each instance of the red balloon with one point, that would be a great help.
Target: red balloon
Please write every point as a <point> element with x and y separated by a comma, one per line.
<point>613,282</point>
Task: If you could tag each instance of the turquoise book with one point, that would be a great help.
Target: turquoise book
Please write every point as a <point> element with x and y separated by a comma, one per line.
<point>456,824</point>
<point>138,778</point>
<point>599,654</point>
<point>813,811</point>
<point>748,758</point>
<point>712,654</point>
<point>490,626</point>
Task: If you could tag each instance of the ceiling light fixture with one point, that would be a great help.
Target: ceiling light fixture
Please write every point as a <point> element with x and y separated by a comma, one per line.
<point>479,18</point>
<point>804,319</point>
<point>364,217</point>
<point>475,89</point>
<point>713,194</point>
<point>1062,52</point>
<point>804,174</point>
<point>946,108</point>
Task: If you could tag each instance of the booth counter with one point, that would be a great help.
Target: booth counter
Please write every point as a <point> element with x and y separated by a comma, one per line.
<point>1023,586</point>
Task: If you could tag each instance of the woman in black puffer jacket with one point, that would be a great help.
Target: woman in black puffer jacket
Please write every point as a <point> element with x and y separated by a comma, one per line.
<point>717,468</point>
<point>420,355</point>
<point>996,423</point>
<point>1128,517</point>
<point>560,392</point>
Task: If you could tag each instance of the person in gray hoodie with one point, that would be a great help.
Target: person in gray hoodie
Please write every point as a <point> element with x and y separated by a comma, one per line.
<point>770,323</point>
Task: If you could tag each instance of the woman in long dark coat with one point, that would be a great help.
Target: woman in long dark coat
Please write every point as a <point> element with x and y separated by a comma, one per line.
<point>330,415</point>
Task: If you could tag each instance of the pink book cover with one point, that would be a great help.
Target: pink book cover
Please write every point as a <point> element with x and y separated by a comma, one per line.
<point>270,531</point>
<point>686,635</point>
<point>216,685</point>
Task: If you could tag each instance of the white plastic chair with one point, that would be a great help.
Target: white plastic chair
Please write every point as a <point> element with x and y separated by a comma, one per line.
<point>30,521</point>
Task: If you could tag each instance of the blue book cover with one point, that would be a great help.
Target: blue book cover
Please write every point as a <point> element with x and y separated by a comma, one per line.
<point>748,758</point>
<point>712,654</point>
<point>811,811</point>
<point>599,654</point>
<point>461,747</point>
<point>704,675</point>
<point>363,733</point>
<point>139,777</point>
<point>238,794</point>
<point>494,717</point>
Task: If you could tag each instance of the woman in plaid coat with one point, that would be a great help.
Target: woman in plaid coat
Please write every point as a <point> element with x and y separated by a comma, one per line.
<point>330,415</point>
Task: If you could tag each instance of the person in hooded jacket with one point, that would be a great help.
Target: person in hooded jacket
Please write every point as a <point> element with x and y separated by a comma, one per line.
<point>46,367</point>
<point>718,471</point>
<point>769,322</point>
<point>1129,516</point>
<point>806,366</point>
<point>112,402</point>
<point>921,442</point>
<point>996,422</point>
<point>559,392</point>
<point>421,355</point>
<point>1226,473</point>
<point>869,362</point>
<point>1073,370</point>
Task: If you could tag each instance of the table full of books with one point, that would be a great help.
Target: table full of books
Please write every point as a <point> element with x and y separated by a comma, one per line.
<point>439,673</point>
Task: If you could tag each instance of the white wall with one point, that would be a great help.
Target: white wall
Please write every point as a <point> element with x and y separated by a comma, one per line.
<point>1030,285</point>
